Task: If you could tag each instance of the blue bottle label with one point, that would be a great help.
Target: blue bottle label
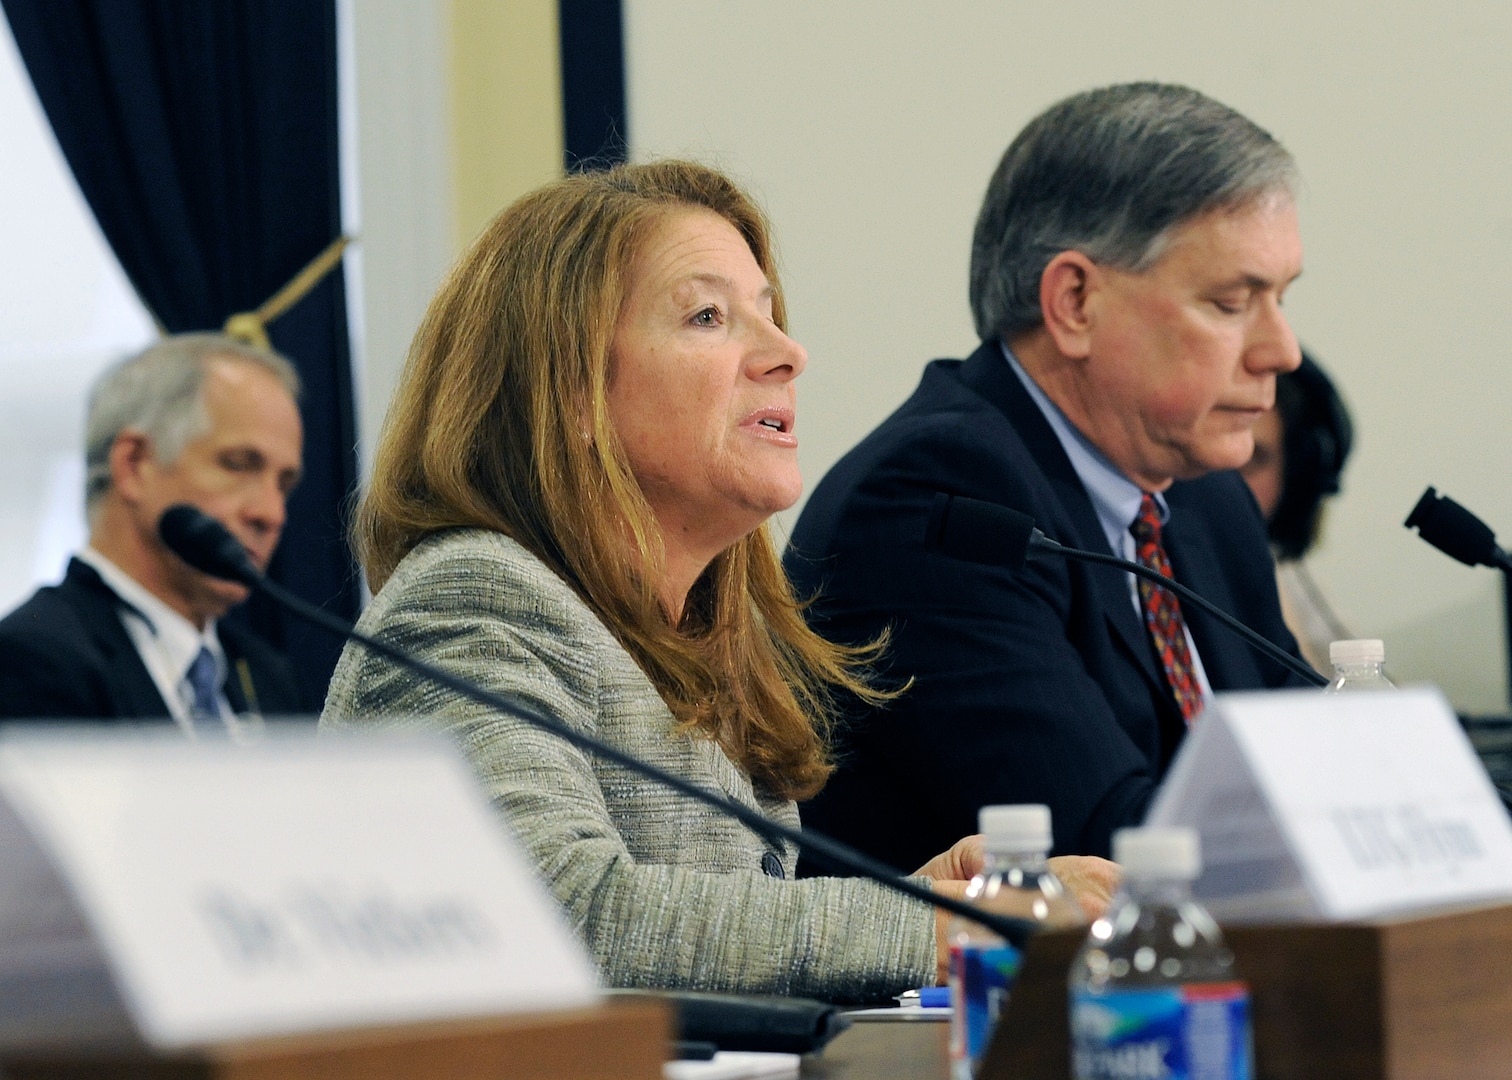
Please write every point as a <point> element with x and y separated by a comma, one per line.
<point>980,978</point>
<point>1195,1032</point>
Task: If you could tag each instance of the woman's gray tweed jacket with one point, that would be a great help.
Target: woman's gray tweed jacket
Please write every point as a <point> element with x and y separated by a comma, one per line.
<point>662,890</point>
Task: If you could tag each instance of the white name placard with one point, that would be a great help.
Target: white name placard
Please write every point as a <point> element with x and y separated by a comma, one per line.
<point>299,884</point>
<point>1337,806</point>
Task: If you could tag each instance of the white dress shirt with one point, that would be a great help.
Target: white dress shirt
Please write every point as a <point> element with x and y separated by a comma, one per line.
<point>165,640</point>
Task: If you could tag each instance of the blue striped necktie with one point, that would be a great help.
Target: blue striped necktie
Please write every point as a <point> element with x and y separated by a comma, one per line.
<point>203,683</point>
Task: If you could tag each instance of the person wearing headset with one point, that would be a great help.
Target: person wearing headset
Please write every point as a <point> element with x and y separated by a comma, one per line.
<point>1300,449</point>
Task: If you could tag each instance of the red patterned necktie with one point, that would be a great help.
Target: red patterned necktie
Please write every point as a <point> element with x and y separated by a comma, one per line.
<point>1162,612</point>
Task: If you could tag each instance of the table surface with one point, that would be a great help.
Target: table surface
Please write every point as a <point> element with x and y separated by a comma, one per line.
<point>874,1050</point>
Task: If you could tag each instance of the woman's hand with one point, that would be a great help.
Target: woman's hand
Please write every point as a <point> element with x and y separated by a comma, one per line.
<point>1090,881</point>
<point>961,863</point>
<point>952,871</point>
<point>956,889</point>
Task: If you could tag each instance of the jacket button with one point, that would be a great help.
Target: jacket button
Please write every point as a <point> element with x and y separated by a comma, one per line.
<point>771,865</point>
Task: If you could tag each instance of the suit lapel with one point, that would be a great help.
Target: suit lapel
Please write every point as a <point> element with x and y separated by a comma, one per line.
<point>987,372</point>
<point>236,665</point>
<point>132,688</point>
<point>1193,562</point>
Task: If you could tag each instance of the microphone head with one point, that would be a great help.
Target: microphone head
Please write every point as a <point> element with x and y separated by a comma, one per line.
<point>206,545</point>
<point>1454,530</point>
<point>977,531</point>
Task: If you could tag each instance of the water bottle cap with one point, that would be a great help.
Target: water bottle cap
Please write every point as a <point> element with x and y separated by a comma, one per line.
<point>1363,651</point>
<point>1166,853</point>
<point>1016,828</point>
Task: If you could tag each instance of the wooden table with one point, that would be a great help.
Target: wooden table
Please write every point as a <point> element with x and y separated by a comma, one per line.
<point>883,1050</point>
<point>1424,996</point>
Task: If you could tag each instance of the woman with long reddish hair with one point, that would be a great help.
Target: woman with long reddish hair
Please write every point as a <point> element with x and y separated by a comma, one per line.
<point>569,502</point>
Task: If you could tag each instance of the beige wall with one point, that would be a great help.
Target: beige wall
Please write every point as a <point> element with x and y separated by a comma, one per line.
<point>870,130</point>
<point>505,105</point>
<point>458,114</point>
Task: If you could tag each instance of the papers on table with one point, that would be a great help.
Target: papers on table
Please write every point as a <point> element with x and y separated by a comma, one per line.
<point>901,1014</point>
<point>734,1065</point>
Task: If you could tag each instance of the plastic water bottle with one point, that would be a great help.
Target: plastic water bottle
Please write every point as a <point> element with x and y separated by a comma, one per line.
<point>1015,880</point>
<point>1153,990</point>
<point>1358,666</point>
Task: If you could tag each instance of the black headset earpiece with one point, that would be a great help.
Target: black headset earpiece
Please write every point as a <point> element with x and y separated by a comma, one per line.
<point>1317,435</point>
<point>1328,427</point>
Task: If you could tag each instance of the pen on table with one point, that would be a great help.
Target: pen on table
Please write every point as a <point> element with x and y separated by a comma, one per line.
<point>927,997</point>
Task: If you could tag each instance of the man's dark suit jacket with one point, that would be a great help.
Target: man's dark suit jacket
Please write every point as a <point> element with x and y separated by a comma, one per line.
<point>65,655</point>
<point>1031,686</point>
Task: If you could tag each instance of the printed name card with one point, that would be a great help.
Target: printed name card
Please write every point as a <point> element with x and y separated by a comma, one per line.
<point>1337,807</point>
<point>228,892</point>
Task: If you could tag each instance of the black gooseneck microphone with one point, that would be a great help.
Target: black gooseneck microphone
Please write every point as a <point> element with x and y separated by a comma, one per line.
<point>204,544</point>
<point>1461,535</point>
<point>984,532</point>
<point>1456,532</point>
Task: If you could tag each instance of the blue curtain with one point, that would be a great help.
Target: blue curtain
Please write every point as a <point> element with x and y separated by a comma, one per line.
<point>204,137</point>
<point>593,83</point>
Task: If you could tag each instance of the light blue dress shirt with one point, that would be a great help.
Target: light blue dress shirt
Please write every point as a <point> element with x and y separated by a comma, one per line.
<point>1114,496</point>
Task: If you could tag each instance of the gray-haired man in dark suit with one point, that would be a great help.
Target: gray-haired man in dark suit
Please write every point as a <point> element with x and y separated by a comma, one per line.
<point>1127,273</point>
<point>132,631</point>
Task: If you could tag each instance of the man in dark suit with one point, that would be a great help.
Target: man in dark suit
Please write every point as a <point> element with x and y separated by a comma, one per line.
<point>1127,273</point>
<point>133,632</point>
